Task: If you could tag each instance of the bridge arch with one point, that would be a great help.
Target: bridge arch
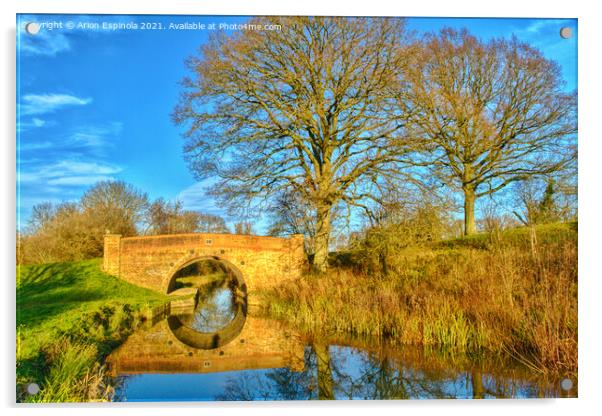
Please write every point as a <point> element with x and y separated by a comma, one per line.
<point>171,276</point>
<point>151,261</point>
<point>214,339</point>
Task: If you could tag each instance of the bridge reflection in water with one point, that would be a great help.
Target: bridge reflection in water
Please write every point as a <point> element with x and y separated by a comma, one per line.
<point>260,344</point>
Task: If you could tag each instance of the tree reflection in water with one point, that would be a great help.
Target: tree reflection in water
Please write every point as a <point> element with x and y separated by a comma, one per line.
<point>215,311</point>
<point>216,306</point>
<point>335,372</point>
<point>277,384</point>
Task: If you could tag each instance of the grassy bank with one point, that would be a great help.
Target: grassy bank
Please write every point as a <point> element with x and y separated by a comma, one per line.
<point>512,292</point>
<point>69,317</point>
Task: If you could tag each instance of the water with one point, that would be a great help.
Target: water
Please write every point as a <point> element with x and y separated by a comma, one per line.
<point>266,360</point>
<point>216,312</point>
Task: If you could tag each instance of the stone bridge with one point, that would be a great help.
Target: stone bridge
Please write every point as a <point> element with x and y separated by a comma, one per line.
<point>152,261</point>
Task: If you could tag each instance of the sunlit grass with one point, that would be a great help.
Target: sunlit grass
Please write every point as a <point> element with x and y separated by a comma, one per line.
<point>69,316</point>
<point>515,292</point>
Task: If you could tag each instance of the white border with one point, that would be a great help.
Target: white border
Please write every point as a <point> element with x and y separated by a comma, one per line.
<point>590,274</point>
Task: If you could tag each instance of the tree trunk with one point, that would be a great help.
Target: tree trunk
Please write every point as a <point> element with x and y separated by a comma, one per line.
<point>469,202</point>
<point>320,263</point>
<point>478,392</point>
<point>325,381</point>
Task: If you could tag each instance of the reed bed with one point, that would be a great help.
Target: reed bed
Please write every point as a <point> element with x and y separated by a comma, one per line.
<point>512,293</point>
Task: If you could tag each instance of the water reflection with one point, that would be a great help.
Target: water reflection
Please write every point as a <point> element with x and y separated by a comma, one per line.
<point>214,313</point>
<point>269,362</point>
<point>260,344</point>
<point>215,350</point>
<point>352,372</point>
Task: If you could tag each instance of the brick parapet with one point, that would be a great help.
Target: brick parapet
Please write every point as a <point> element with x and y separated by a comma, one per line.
<point>112,254</point>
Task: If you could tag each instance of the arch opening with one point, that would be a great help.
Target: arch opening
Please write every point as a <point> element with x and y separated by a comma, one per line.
<point>220,303</point>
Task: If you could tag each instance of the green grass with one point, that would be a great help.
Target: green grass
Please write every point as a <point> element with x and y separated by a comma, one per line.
<point>520,236</point>
<point>67,310</point>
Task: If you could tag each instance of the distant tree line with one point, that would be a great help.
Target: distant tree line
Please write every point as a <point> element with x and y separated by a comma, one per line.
<point>170,218</point>
<point>75,230</point>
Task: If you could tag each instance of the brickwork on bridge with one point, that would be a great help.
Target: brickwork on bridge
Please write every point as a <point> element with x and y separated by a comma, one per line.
<point>152,261</point>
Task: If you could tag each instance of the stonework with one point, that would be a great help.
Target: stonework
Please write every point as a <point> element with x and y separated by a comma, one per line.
<point>152,261</point>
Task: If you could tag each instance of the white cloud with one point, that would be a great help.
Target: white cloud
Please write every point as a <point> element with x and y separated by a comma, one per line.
<point>24,147</point>
<point>68,166</point>
<point>194,198</point>
<point>79,180</point>
<point>50,42</point>
<point>33,104</point>
<point>545,33</point>
<point>68,173</point>
<point>86,140</point>
<point>539,25</point>
<point>95,136</point>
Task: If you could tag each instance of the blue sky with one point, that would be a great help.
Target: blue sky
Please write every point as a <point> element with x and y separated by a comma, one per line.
<point>95,104</point>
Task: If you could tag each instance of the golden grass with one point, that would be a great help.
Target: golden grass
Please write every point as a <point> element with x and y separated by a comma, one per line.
<point>516,294</point>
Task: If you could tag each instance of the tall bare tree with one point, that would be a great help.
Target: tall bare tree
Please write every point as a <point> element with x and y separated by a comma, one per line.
<point>491,113</point>
<point>303,109</point>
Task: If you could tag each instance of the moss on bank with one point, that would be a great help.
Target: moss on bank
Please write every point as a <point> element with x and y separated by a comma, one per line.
<point>69,317</point>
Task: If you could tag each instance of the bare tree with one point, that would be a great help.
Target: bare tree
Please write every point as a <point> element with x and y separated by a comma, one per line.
<point>114,206</point>
<point>170,218</point>
<point>41,215</point>
<point>290,214</point>
<point>542,201</point>
<point>243,228</point>
<point>164,217</point>
<point>306,109</point>
<point>210,223</point>
<point>75,230</point>
<point>491,113</point>
<point>64,235</point>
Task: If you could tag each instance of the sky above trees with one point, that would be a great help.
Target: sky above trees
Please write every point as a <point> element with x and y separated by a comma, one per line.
<point>95,105</point>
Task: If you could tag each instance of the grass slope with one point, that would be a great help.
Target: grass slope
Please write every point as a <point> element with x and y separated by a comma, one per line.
<point>69,316</point>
